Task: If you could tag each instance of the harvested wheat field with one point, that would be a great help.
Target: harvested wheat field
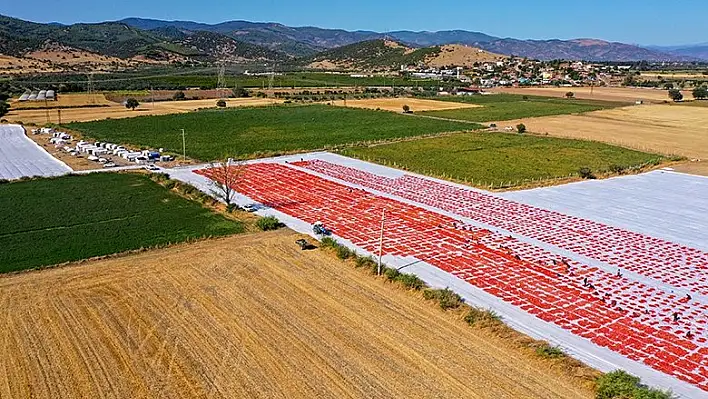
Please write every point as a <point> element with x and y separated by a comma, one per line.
<point>665,129</point>
<point>116,111</point>
<point>247,316</point>
<point>65,100</point>
<point>396,104</point>
<point>618,94</point>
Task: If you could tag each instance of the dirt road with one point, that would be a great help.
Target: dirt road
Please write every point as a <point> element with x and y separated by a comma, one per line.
<point>247,316</point>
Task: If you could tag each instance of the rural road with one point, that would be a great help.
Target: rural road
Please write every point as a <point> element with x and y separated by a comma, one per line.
<point>22,157</point>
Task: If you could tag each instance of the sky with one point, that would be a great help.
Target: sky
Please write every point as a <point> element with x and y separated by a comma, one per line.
<point>637,22</point>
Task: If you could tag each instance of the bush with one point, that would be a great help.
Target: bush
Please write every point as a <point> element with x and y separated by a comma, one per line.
<point>391,273</point>
<point>410,281</point>
<point>328,242</point>
<point>221,104</point>
<point>343,252</point>
<point>179,96</point>
<point>231,207</point>
<point>268,223</point>
<point>569,94</point>
<point>187,189</point>
<point>364,261</point>
<point>475,314</point>
<point>617,169</point>
<point>160,177</point>
<point>521,128</point>
<point>171,183</point>
<point>621,385</point>
<point>447,299</point>
<point>549,352</point>
<point>586,173</point>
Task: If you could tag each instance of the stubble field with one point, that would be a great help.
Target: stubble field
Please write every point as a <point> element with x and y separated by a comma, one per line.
<point>620,94</point>
<point>665,129</point>
<point>247,316</point>
<point>113,110</point>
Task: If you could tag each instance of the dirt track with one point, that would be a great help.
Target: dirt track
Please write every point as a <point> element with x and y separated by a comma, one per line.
<point>396,104</point>
<point>247,316</point>
<point>667,129</point>
<point>619,94</point>
<point>39,116</point>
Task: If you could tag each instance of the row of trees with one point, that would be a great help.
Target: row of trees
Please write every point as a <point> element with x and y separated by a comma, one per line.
<point>699,93</point>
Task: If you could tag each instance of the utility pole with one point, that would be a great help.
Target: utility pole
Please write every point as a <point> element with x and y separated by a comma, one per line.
<point>383,219</point>
<point>184,147</point>
<point>59,115</point>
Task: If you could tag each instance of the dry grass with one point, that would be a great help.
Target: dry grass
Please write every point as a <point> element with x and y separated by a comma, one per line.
<point>65,100</point>
<point>14,65</point>
<point>117,111</point>
<point>666,129</point>
<point>460,55</point>
<point>618,94</point>
<point>396,104</point>
<point>248,316</point>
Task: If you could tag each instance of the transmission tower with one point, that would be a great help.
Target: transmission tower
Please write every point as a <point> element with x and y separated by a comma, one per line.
<point>221,78</point>
<point>271,78</point>
<point>90,86</point>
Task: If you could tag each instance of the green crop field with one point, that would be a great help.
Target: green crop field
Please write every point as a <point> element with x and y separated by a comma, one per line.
<point>244,132</point>
<point>50,221</point>
<point>501,107</point>
<point>500,158</point>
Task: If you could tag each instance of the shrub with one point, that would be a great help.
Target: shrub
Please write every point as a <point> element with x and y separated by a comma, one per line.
<point>410,281</point>
<point>171,183</point>
<point>221,104</point>
<point>231,207</point>
<point>179,96</point>
<point>521,128</point>
<point>475,314</point>
<point>343,252</point>
<point>4,181</point>
<point>328,242</point>
<point>617,168</point>
<point>447,299</point>
<point>569,94</point>
<point>364,261</point>
<point>160,177</point>
<point>620,384</point>
<point>187,189</point>
<point>391,273</point>
<point>586,173</point>
<point>268,223</point>
<point>549,352</point>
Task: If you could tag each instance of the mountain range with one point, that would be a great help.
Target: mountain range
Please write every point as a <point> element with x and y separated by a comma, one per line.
<point>243,41</point>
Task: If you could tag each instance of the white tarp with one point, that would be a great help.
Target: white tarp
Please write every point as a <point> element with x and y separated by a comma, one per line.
<point>20,156</point>
<point>661,204</point>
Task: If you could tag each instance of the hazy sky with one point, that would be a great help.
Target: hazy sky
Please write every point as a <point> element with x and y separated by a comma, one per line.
<point>641,22</point>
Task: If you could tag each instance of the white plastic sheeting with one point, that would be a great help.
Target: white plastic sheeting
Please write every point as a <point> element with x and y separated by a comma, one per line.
<point>20,156</point>
<point>662,204</point>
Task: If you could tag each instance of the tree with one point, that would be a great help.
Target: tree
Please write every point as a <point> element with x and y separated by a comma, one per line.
<point>668,86</point>
<point>4,106</point>
<point>131,103</point>
<point>700,93</point>
<point>221,104</point>
<point>406,109</point>
<point>521,128</point>
<point>226,176</point>
<point>675,94</point>
<point>240,92</point>
<point>179,96</point>
<point>569,94</point>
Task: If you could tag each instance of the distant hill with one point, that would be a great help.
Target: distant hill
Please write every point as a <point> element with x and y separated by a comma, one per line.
<point>577,49</point>
<point>171,41</point>
<point>372,54</point>
<point>115,39</point>
<point>699,51</point>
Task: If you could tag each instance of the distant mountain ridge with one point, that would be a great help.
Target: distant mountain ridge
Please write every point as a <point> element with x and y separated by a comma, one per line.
<point>257,41</point>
